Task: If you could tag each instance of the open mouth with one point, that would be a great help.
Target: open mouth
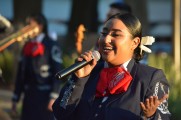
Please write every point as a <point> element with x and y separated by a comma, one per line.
<point>107,49</point>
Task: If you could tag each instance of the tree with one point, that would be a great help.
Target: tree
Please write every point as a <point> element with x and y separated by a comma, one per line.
<point>139,8</point>
<point>83,12</point>
<point>22,8</point>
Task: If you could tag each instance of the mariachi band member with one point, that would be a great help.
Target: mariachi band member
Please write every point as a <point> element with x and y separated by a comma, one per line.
<point>119,87</point>
<point>41,59</point>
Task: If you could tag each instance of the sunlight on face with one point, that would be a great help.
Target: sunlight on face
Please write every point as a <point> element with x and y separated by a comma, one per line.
<point>116,44</point>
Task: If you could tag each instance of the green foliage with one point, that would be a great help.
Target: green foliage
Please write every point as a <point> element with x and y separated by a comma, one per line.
<point>7,64</point>
<point>69,59</point>
<point>165,62</point>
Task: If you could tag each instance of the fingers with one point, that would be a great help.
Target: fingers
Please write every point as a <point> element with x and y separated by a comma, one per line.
<point>86,56</point>
<point>150,105</point>
<point>147,103</point>
<point>163,98</point>
<point>159,101</point>
<point>142,106</point>
<point>153,101</point>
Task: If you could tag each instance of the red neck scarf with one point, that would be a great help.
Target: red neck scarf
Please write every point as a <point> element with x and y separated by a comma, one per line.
<point>33,49</point>
<point>113,81</point>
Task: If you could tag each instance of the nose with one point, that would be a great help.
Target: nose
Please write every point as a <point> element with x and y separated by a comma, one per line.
<point>107,39</point>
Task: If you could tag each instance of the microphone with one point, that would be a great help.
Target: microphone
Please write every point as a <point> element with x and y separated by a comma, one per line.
<point>67,71</point>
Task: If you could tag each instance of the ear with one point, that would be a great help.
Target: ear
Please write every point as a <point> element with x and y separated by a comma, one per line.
<point>135,42</point>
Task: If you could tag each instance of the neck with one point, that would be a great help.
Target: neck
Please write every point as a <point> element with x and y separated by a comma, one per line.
<point>123,64</point>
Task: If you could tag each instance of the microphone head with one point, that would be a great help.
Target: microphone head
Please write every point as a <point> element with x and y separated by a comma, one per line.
<point>96,55</point>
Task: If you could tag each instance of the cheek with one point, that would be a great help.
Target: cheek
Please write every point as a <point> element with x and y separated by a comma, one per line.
<point>98,45</point>
<point>124,47</point>
<point>100,42</point>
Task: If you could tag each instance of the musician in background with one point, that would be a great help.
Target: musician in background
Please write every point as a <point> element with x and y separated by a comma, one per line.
<point>41,59</point>
<point>118,7</point>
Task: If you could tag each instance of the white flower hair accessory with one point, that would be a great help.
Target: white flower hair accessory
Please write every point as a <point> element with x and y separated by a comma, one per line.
<point>147,40</point>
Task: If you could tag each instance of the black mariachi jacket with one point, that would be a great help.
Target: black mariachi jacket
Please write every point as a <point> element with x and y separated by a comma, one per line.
<point>38,72</point>
<point>77,101</point>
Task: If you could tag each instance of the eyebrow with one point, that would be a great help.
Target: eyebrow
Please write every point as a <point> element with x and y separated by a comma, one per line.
<point>115,30</point>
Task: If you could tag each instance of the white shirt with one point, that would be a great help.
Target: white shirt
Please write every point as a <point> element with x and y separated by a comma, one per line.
<point>124,65</point>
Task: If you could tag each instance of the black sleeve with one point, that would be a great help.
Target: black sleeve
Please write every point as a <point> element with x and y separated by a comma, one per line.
<point>159,87</point>
<point>56,66</point>
<point>19,82</point>
<point>64,107</point>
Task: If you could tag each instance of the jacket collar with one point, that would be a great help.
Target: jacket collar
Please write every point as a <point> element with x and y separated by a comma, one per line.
<point>130,65</point>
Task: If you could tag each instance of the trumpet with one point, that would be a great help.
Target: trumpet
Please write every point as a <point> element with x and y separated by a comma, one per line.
<point>29,31</point>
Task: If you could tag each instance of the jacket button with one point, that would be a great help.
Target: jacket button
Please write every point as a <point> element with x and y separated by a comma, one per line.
<point>100,106</point>
<point>96,115</point>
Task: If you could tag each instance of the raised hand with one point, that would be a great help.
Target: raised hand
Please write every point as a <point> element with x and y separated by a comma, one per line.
<point>85,71</point>
<point>150,105</point>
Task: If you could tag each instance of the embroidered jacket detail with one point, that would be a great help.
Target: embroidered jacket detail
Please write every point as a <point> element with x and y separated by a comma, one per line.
<point>68,93</point>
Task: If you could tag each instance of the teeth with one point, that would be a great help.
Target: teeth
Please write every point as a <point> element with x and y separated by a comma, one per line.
<point>108,48</point>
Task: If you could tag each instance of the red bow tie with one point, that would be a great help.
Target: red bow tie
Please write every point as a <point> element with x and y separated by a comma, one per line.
<point>33,49</point>
<point>113,81</point>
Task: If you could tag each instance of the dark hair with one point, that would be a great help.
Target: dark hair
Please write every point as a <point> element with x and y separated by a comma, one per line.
<point>121,6</point>
<point>40,19</point>
<point>134,26</point>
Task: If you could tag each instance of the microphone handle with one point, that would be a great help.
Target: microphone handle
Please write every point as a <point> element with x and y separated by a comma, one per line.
<point>67,71</point>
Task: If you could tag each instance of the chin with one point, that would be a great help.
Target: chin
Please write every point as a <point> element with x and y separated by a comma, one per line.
<point>107,59</point>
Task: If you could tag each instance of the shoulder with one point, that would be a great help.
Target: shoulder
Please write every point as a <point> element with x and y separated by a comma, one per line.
<point>147,69</point>
<point>49,41</point>
<point>148,72</point>
<point>151,74</point>
<point>51,44</point>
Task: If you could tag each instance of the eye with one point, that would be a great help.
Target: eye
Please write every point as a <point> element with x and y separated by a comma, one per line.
<point>103,33</point>
<point>115,34</point>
